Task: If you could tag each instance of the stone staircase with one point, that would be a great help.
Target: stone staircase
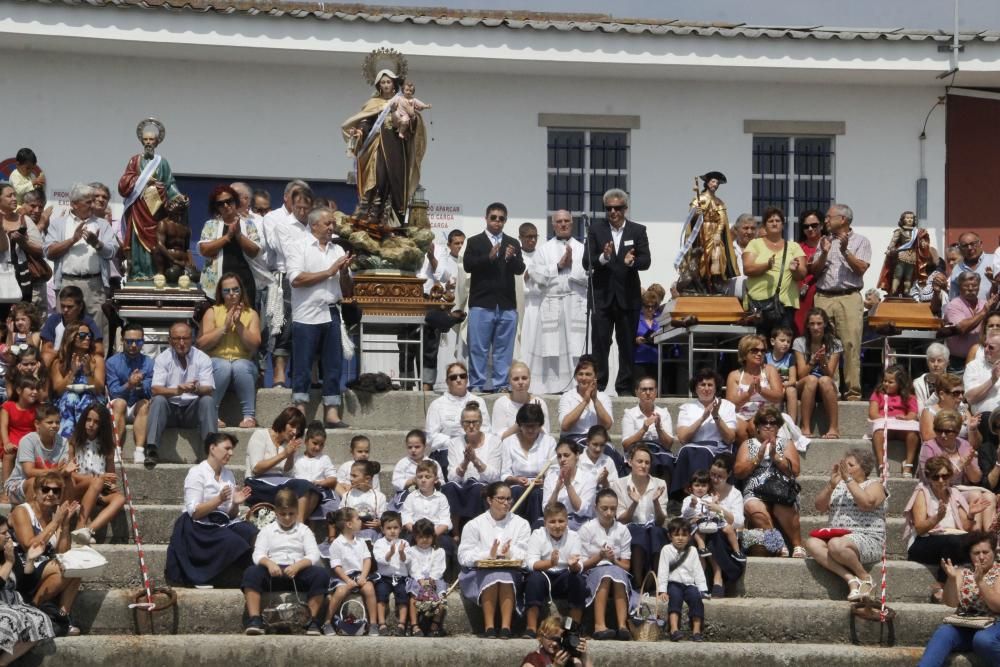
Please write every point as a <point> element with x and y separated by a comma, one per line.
<point>787,611</point>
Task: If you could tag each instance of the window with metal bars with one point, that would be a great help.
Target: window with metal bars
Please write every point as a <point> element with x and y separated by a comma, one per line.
<point>582,166</point>
<point>793,173</point>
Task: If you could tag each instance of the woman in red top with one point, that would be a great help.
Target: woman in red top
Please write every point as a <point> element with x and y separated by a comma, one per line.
<point>811,224</point>
<point>896,389</point>
<point>17,419</point>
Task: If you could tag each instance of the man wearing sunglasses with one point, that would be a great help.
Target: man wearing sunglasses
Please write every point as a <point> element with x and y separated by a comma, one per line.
<point>492,259</point>
<point>130,384</point>
<point>617,250</point>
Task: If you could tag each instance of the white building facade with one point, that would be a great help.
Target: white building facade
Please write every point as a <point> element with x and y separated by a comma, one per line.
<point>261,93</point>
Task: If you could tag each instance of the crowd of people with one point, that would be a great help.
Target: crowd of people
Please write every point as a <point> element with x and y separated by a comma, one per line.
<point>492,498</point>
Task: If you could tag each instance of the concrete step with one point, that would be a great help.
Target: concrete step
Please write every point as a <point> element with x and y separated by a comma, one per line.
<point>794,578</point>
<point>294,651</point>
<point>397,409</point>
<point>745,620</point>
<point>821,455</point>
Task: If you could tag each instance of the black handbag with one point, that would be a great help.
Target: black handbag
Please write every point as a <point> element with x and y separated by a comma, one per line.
<point>778,488</point>
<point>771,310</point>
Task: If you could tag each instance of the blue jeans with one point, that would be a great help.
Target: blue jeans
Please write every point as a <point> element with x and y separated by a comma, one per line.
<point>491,327</point>
<point>948,639</point>
<point>242,373</point>
<point>312,340</point>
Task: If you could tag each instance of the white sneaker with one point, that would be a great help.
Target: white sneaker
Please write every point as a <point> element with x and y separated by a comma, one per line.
<point>83,537</point>
<point>139,456</point>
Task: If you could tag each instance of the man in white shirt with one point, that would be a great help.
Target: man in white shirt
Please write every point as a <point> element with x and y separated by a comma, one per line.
<point>558,339</point>
<point>318,273</point>
<point>282,228</point>
<point>529,298</point>
<point>183,388</point>
<point>82,247</point>
<point>440,270</point>
<point>743,231</point>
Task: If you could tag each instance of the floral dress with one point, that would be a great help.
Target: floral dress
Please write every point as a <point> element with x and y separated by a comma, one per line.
<point>72,405</point>
<point>970,599</point>
<point>20,622</point>
<point>867,528</point>
<point>89,459</point>
<point>765,468</point>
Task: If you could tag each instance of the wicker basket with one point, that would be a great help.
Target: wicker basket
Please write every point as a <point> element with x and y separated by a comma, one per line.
<point>499,563</point>
<point>647,624</point>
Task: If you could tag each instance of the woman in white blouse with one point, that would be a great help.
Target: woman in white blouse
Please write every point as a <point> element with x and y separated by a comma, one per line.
<point>570,486</point>
<point>724,499</point>
<point>523,456</point>
<point>494,534</point>
<point>473,462</point>
<point>642,507</point>
<point>443,421</point>
<point>208,537</point>
<point>706,427</point>
<point>505,408</point>
<point>584,407</point>
<point>270,458</point>
<point>650,424</point>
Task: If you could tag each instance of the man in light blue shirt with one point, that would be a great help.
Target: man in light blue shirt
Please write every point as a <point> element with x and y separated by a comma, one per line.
<point>130,385</point>
<point>975,260</point>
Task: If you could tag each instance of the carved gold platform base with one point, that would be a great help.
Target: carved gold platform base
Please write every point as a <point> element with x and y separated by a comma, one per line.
<point>708,309</point>
<point>389,293</point>
<point>904,314</point>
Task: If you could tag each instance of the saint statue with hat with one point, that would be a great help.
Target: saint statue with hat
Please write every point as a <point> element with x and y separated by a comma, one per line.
<point>706,262</point>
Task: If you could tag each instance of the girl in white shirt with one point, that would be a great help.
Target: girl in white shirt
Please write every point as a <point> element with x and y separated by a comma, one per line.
<point>568,485</point>
<point>650,424</point>
<point>361,449</point>
<point>523,456</point>
<point>682,580</point>
<point>370,503</point>
<point>505,408</point>
<point>594,459</point>
<point>285,551</point>
<point>315,467</point>
<point>642,508</point>
<point>608,548</point>
<point>351,563</point>
<point>728,562</point>
<point>404,474</point>
<point>426,565</point>
<point>473,462</point>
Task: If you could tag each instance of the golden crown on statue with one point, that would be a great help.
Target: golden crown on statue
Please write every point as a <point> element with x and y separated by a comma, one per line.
<point>384,58</point>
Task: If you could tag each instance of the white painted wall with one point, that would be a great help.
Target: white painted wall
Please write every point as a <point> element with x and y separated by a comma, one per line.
<point>79,114</point>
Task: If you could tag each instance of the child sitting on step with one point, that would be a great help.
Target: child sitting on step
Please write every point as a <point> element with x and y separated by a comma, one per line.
<point>285,552</point>
<point>391,553</point>
<point>426,564</point>
<point>351,563</point>
<point>682,579</point>
<point>361,450</point>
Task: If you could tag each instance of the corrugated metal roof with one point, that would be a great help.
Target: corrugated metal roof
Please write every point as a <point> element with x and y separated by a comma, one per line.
<point>521,19</point>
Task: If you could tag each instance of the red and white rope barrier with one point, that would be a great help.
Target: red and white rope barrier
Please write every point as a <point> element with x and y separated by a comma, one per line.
<point>883,590</point>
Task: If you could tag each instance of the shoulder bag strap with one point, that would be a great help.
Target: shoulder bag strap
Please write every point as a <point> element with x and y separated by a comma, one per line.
<point>781,270</point>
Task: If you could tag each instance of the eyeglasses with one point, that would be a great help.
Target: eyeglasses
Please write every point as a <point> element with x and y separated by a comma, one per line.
<point>471,422</point>
<point>756,350</point>
<point>769,423</point>
<point>51,489</point>
<point>498,218</point>
<point>618,207</point>
<point>261,210</point>
<point>813,225</point>
<point>134,341</point>
<point>940,478</point>
<point>455,377</point>
<point>84,335</point>
<point>946,431</point>
<point>231,290</point>
<point>502,499</point>
<point>219,203</point>
<point>957,393</point>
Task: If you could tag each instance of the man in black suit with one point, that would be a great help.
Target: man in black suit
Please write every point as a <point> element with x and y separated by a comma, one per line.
<point>492,259</point>
<point>617,249</point>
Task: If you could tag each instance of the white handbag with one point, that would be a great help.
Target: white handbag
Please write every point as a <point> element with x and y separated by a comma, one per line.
<point>10,289</point>
<point>82,563</point>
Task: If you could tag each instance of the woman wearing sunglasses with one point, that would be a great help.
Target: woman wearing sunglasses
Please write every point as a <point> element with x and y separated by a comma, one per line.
<point>46,522</point>
<point>228,242</point>
<point>444,414</point>
<point>811,228</point>
<point>753,385</point>
<point>949,395</point>
<point>230,335</point>
<point>77,376</point>
<point>937,519</point>
<point>760,457</point>
<point>967,475</point>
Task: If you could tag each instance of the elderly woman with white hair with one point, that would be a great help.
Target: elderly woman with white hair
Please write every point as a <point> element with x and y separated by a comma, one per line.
<point>856,533</point>
<point>82,248</point>
<point>965,315</point>
<point>937,364</point>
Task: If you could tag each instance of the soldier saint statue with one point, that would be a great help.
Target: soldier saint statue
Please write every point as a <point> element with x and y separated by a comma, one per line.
<point>706,262</point>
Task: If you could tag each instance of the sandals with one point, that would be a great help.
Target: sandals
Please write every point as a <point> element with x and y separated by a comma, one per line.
<point>799,552</point>
<point>862,592</point>
<point>248,422</point>
<point>907,474</point>
<point>867,586</point>
<point>403,631</point>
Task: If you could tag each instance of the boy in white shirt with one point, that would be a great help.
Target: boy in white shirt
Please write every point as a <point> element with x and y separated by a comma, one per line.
<point>555,568</point>
<point>426,502</point>
<point>285,551</point>
<point>682,579</point>
<point>390,553</point>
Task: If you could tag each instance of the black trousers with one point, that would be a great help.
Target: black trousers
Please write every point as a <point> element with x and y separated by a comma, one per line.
<point>624,323</point>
